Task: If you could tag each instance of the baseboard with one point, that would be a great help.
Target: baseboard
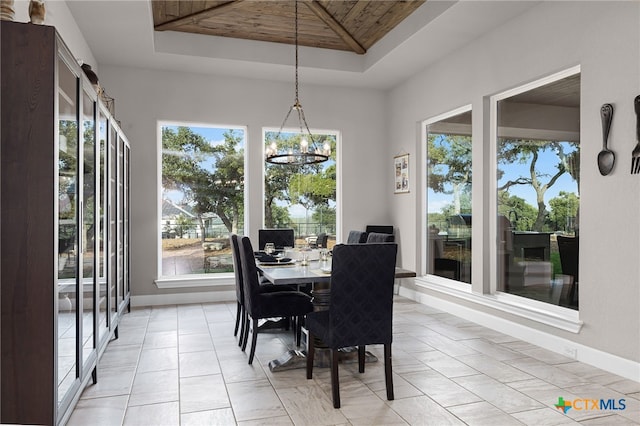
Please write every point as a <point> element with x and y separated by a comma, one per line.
<point>595,357</point>
<point>182,298</point>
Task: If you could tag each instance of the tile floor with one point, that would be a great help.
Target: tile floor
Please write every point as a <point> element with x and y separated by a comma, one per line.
<point>181,365</point>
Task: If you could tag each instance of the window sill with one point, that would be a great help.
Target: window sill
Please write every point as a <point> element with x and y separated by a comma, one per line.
<point>533,310</point>
<point>188,281</point>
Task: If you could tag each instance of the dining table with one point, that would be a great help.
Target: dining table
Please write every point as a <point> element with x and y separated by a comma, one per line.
<point>318,274</point>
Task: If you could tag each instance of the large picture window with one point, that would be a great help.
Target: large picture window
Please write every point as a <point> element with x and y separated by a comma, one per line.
<point>202,197</point>
<point>538,191</point>
<point>448,145</point>
<point>302,197</point>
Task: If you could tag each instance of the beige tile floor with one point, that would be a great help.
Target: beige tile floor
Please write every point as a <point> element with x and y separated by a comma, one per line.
<point>181,365</point>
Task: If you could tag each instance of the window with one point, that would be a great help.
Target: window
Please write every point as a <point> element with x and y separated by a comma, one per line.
<point>202,197</point>
<point>538,182</point>
<point>448,147</point>
<point>301,197</point>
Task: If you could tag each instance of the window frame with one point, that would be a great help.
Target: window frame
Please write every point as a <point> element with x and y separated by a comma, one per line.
<point>423,252</point>
<point>338,164</point>
<point>493,178</point>
<point>483,292</point>
<point>192,280</point>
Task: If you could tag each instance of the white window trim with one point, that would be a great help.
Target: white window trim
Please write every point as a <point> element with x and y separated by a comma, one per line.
<point>544,313</point>
<point>493,167</point>
<point>422,253</point>
<point>196,280</point>
<point>533,310</point>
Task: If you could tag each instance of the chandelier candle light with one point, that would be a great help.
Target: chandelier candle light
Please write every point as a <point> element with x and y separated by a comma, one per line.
<point>308,152</point>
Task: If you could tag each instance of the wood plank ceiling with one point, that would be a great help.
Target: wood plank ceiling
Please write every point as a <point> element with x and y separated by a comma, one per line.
<point>354,25</point>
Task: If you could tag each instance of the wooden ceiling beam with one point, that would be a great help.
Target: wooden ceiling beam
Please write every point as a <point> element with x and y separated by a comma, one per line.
<point>193,18</point>
<point>335,26</point>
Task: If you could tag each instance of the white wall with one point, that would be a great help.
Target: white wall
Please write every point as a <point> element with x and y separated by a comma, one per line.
<point>602,37</point>
<point>144,97</point>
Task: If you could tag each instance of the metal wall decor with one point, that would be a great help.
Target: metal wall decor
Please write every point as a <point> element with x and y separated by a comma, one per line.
<point>635,154</point>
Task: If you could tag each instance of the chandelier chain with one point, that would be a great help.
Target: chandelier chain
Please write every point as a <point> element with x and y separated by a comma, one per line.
<point>309,152</point>
<point>296,43</point>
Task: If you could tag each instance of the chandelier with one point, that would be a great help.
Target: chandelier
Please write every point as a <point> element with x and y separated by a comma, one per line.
<point>308,152</point>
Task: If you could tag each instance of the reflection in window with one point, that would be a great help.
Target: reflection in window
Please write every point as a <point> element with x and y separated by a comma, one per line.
<point>301,197</point>
<point>68,194</point>
<point>538,181</point>
<point>202,198</point>
<point>449,197</point>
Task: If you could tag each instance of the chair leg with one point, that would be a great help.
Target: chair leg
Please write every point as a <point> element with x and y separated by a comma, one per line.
<point>238,313</point>
<point>298,329</point>
<point>245,336</point>
<point>388,378</point>
<point>242,327</point>
<point>254,340</point>
<point>335,382</point>
<point>311,352</point>
<point>361,358</point>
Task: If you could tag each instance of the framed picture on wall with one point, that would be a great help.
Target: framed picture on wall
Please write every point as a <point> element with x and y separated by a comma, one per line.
<point>401,170</point>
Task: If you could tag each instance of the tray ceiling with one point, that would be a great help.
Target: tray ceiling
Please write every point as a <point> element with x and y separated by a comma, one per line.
<point>353,26</point>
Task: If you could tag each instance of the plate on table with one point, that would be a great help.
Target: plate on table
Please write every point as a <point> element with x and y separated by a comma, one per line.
<point>326,269</point>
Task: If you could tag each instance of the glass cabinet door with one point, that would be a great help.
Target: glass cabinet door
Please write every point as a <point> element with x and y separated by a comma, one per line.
<point>127,235</point>
<point>121,233</point>
<point>101,215</point>
<point>88,225</point>
<point>67,228</point>
<point>113,209</point>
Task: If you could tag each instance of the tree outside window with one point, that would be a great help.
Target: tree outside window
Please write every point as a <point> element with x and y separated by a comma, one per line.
<point>202,197</point>
<point>538,192</point>
<point>301,197</point>
<point>449,178</point>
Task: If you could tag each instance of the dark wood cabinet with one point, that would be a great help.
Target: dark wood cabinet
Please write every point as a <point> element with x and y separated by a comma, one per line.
<point>65,242</point>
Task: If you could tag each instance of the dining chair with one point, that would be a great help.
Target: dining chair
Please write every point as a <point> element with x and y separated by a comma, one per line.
<point>378,237</point>
<point>280,237</point>
<point>357,237</point>
<point>360,308</point>
<point>321,241</point>
<point>241,312</point>
<point>383,229</point>
<point>569,254</point>
<point>260,305</point>
<point>239,288</point>
<point>448,268</point>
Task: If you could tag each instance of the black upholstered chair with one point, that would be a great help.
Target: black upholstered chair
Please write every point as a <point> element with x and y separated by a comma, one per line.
<point>378,237</point>
<point>568,249</point>
<point>241,313</point>
<point>361,308</point>
<point>279,237</point>
<point>321,241</point>
<point>383,229</point>
<point>448,268</point>
<point>259,304</point>
<point>357,237</point>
